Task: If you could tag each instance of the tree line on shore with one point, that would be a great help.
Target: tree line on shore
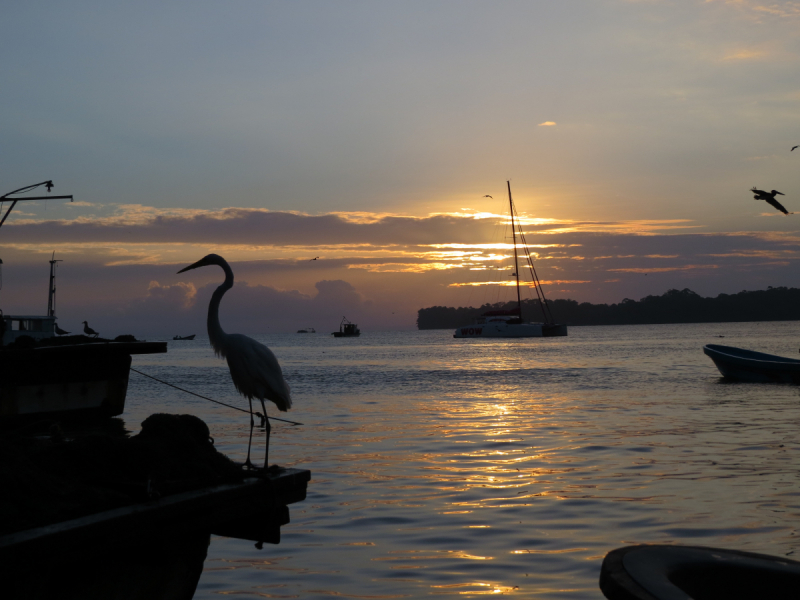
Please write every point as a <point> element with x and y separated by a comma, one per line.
<point>674,306</point>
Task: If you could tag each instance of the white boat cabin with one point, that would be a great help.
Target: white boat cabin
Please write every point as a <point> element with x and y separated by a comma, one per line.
<point>36,326</point>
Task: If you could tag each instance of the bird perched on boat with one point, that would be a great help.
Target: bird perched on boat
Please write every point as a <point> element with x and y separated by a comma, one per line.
<point>769,197</point>
<point>254,369</point>
<point>88,330</point>
<point>60,331</point>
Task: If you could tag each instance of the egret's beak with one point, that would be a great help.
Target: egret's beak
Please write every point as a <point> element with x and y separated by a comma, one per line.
<point>199,263</point>
<point>781,193</point>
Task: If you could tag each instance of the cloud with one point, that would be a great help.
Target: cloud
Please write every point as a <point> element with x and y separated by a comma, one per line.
<point>260,228</point>
<point>547,124</point>
<point>746,54</point>
<point>779,9</point>
<point>245,308</point>
<point>662,269</point>
<point>369,268</point>
<point>512,283</point>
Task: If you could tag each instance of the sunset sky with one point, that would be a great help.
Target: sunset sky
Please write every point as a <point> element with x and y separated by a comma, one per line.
<point>368,133</point>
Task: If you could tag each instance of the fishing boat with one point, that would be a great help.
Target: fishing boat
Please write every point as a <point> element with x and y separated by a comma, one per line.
<point>307,330</point>
<point>186,337</point>
<point>44,376</point>
<point>347,329</point>
<point>510,323</point>
<point>756,367</point>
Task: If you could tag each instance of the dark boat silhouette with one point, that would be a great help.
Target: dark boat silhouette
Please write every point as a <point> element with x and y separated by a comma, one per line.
<point>347,329</point>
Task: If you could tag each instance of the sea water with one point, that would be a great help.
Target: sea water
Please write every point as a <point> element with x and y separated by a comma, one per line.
<point>461,467</point>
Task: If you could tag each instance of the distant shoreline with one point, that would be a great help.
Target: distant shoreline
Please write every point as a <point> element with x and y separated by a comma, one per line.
<point>673,307</point>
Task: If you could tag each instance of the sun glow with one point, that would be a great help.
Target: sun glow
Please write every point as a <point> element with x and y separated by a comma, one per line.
<point>513,283</point>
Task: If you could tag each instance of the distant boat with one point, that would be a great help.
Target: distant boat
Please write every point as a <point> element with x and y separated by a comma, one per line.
<point>756,367</point>
<point>509,323</point>
<point>188,337</point>
<point>308,329</point>
<point>347,329</point>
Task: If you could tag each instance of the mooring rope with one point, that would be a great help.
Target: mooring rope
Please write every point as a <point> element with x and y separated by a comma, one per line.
<point>212,400</point>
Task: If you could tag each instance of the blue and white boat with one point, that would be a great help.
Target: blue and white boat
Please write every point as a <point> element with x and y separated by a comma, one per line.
<point>752,366</point>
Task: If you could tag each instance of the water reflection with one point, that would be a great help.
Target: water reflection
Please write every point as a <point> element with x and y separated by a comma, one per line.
<point>443,468</point>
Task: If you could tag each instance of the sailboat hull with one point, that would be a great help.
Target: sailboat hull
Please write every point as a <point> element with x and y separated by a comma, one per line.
<point>554,330</point>
<point>500,330</point>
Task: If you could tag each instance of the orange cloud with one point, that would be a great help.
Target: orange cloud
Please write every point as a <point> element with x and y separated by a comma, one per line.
<point>512,283</point>
<point>664,269</point>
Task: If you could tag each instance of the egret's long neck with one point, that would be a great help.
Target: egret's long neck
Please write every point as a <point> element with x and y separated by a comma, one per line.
<point>215,333</point>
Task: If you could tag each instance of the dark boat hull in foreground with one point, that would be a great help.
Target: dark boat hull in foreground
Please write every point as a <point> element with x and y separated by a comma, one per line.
<point>61,381</point>
<point>756,367</point>
<point>661,572</point>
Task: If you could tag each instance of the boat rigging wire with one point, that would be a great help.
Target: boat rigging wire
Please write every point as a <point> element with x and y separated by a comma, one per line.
<point>212,400</point>
<point>537,284</point>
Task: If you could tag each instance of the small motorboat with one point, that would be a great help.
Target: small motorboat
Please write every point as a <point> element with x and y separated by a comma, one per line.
<point>307,330</point>
<point>187,337</point>
<point>756,367</point>
<point>667,572</point>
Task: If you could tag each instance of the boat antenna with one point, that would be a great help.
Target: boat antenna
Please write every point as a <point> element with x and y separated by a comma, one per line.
<point>51,297</point>
<point>48,184</point>
<point>514,236</point>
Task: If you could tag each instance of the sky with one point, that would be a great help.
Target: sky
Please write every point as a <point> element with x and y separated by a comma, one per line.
<point>368,134</point>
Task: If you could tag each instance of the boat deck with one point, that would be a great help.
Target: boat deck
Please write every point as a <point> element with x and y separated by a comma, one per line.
<point>253,509</point>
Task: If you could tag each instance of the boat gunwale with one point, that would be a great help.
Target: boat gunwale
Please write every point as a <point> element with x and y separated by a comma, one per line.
<point>749,357</point>
<point>117,347</point>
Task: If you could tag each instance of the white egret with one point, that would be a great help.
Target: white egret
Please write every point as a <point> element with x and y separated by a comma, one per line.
<point>254,369</point>
<point>88,330</point>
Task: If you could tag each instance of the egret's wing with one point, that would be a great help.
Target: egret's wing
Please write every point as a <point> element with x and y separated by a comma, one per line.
<point>777,205</point>
<point>256,372</point>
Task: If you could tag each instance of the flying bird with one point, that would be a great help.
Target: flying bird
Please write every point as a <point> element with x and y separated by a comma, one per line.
<point>88,330</point>
<point>315,258</point>
<point>488,196</point>
<point>793,147</point>
<point>60,331</point>
<point>254,369</point>
<point>769,197</point>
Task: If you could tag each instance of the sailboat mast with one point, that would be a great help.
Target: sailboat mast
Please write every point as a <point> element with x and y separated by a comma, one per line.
<point>514,234</point>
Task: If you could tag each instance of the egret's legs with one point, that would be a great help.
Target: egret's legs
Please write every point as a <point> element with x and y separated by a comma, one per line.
<point>247,463</point>
<point>269,429</point>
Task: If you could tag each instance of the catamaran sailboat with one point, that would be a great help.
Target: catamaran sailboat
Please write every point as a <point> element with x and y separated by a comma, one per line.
<point>509,323</point>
